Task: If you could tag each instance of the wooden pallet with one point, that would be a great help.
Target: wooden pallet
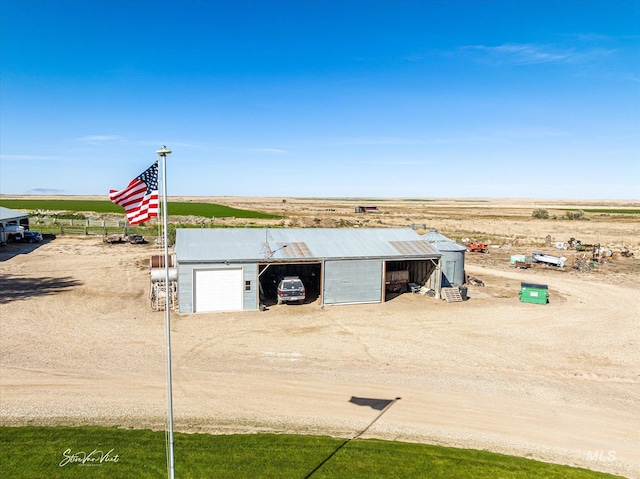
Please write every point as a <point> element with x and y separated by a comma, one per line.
<point>452,295</point>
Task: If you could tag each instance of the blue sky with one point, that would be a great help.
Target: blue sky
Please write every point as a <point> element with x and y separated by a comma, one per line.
<point>535,99</point>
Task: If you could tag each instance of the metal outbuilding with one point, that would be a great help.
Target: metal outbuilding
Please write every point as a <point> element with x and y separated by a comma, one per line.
<point>237,269</point>
<point>452,257</point>
<point>11,217</point>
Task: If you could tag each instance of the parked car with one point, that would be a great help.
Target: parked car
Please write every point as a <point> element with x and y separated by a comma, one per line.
<point>31,237</point>
<point>291,288</point>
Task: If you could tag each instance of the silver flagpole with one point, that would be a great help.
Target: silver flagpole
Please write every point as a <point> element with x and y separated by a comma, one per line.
<point>163,154</point>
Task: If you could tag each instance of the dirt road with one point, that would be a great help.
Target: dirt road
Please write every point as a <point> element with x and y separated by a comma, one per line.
<point>558,382</point>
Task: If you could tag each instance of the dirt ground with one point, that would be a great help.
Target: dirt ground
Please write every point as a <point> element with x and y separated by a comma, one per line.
<point>560,382</point>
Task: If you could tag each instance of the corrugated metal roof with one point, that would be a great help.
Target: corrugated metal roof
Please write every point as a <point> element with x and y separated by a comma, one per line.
<point>412,247</point>
<point>252,244</point>
<point>295,250</point>
<point>7,214</point>
<point>441,242</point>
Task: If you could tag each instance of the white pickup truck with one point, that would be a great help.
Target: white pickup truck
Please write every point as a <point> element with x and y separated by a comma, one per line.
<point>13,233</point>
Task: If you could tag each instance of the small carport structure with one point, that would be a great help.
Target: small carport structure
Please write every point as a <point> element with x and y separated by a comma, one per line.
<point>12,217</point>
<point>235,269</point>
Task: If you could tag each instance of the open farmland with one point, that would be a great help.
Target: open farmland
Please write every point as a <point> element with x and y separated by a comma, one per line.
<point>176,208</point>
<point>557,382</point>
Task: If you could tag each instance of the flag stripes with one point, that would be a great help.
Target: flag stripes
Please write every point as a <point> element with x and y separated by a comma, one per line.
<point>140,198</point>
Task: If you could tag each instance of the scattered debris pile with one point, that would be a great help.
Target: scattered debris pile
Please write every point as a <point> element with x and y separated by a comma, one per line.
<point>626,253</point>
<point>473,281</point>
<point>582,263</point>
<point>113,239</point>
<point>509,244</point>
<point>578,245</point>
<point>124,238</point>
<point>588,255</point>
<point>423,290</point>
<point>136,239</point>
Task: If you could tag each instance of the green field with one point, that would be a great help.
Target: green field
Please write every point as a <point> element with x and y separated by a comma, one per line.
<point>207,210</point>
<point>61,452</point>
<point>613,211</point>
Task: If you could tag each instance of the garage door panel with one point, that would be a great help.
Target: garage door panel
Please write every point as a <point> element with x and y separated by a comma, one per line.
<point>352,282</point>
<point>218,290</point>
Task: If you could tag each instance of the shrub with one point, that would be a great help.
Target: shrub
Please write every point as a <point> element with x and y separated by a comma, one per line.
<point>575,215</point>
<point>540,213</point>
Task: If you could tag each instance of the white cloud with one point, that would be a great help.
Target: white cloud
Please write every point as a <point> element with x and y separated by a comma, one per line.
<point>98,138</point>
<point>533,54</point>
<point>520,54</point>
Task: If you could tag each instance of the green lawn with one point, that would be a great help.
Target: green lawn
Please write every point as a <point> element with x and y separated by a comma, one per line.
<point>37,452</point>
<point>177,208</point>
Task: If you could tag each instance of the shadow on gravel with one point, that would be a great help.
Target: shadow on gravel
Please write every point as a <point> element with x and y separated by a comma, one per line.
<point>11,250</point>
<point>381,405</point>
<point>14,288</point>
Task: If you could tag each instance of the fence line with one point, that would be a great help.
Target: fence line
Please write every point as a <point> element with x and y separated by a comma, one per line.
<point>81,228</point>
<point>79,223</point>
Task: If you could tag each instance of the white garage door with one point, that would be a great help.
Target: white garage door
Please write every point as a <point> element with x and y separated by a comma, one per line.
<point>217,290</point>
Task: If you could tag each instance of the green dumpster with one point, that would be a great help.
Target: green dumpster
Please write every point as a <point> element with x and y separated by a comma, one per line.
<point>534,293</point>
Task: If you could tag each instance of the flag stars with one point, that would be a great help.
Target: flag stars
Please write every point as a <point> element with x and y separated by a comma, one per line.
<point>150,178</point>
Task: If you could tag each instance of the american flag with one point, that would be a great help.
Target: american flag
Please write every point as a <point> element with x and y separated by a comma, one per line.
<point>140,197</point>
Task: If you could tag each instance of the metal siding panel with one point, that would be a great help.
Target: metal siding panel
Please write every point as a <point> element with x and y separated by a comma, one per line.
<point>185,289</point>
<point>352,282</point>
<point>448,273</point>
<point>453,268</point>
<point>250,298</point>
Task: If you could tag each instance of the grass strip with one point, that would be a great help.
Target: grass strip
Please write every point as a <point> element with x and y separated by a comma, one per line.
<point>177,208</point>
<point>32,452</point>
<point>615,211</point>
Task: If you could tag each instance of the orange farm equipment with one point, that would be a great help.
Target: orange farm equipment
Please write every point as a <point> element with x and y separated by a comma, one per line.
<point>477,247</point>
